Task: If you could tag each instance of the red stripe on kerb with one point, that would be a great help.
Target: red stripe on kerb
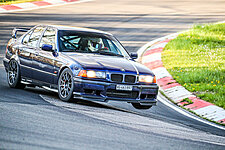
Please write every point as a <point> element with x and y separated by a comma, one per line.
<point>165,41</point>
<point>41,3</point>
<point>222,121</point>
<point>170,85</point>
<point>167,82</point>
<point>197,103</point>
<point>164,81</point>
<point>154,64</point>
<point>180,103</point>
<point>10,7</point>
<point>188,97</point>
<point>151,51</point>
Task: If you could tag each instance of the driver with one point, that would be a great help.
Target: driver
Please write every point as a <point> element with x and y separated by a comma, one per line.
<point>94,44</point>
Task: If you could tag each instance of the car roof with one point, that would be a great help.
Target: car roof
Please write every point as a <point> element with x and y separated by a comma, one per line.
<point>80,29</point>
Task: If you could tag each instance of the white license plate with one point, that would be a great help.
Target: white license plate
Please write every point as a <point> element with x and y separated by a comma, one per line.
<point>124,87</point>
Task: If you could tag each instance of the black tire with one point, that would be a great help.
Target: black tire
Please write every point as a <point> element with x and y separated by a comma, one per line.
<point>65,85</point>
<point>139,106</point>
<point>13,75</point>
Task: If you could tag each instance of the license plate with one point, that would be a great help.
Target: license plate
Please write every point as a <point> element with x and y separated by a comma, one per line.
<point>124,87</point>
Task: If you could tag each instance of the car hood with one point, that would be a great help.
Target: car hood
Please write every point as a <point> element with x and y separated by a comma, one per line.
<point>109,63</point>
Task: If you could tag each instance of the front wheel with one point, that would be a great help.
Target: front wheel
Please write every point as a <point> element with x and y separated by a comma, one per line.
<point>13,75</point>
<point>65,85</point>
<point>139,106</point>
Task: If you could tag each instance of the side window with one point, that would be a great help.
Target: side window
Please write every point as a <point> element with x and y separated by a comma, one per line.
<point>35,36</point>
<point>112,47</point>
<point>26,38</point>
<point>48,38</point>
<point>70,42</point>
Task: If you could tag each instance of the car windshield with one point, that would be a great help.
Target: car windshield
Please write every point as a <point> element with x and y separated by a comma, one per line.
<point>71,41</point>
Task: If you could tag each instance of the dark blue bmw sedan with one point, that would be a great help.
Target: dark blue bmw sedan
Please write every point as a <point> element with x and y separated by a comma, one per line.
<point>78,63</point>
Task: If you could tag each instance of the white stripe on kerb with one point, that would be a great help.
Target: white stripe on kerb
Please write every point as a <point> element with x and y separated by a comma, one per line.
<point>158,45</point>
<point>151,58</point>
<point>183,97</point>
<point>216,116</point>
<point>175,88</point>
<point>2,10</point>
<point>212,112</point>
<point>161,72</point>
<point>178,95</point>
<point>25,5</point>
<point>55,1</point>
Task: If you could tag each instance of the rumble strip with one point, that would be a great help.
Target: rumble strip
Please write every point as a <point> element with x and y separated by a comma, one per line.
<point>37,5</point>
<point>150,56</point>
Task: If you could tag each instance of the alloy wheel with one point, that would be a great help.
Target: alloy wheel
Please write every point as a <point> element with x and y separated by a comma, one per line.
<point>12,72</point>
<point>65,85</point>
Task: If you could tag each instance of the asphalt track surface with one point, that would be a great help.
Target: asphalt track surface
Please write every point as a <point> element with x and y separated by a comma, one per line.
<point>36,119</point>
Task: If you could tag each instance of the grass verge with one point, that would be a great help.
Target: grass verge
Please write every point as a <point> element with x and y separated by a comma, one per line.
<point>196,60</point>
<point>8,2</point>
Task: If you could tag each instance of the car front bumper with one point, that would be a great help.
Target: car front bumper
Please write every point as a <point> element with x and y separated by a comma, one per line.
<point>104,91</point>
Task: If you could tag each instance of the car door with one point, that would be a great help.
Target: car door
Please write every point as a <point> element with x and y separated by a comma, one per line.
<point>44,61</point>
<point>24,53</point>
<point>27,51</point>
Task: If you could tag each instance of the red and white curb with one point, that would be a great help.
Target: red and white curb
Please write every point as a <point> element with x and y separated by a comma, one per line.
<point>36,5</point>
<point>150,56</point>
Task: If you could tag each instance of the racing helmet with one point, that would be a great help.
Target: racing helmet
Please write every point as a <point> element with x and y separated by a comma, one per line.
<point>94,44</point>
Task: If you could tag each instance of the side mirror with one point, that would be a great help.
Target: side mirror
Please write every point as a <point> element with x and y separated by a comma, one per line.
<point>134,55</point>
<point>47,47</point>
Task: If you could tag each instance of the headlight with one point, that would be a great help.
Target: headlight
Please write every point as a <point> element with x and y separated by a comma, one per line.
<point>92,74</point>
<point>147,79</point>
<point>100,74</point>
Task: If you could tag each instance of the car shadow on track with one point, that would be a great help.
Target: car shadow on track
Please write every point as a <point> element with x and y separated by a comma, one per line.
<point>54,95</point>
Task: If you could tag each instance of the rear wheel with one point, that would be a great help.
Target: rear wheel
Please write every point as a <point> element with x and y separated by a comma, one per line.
<point>13,75</point>
<point>65,85</point>
<point>139,106</point>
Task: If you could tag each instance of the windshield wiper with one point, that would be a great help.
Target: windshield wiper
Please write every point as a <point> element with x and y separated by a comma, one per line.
<point>109,53</point>
<point>74,50</point>
<point>102,52</point>
<point>68,50</point>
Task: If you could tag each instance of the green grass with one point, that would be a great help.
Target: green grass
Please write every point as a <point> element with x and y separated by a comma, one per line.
<point>8,2</point>
<point>196,59</point>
